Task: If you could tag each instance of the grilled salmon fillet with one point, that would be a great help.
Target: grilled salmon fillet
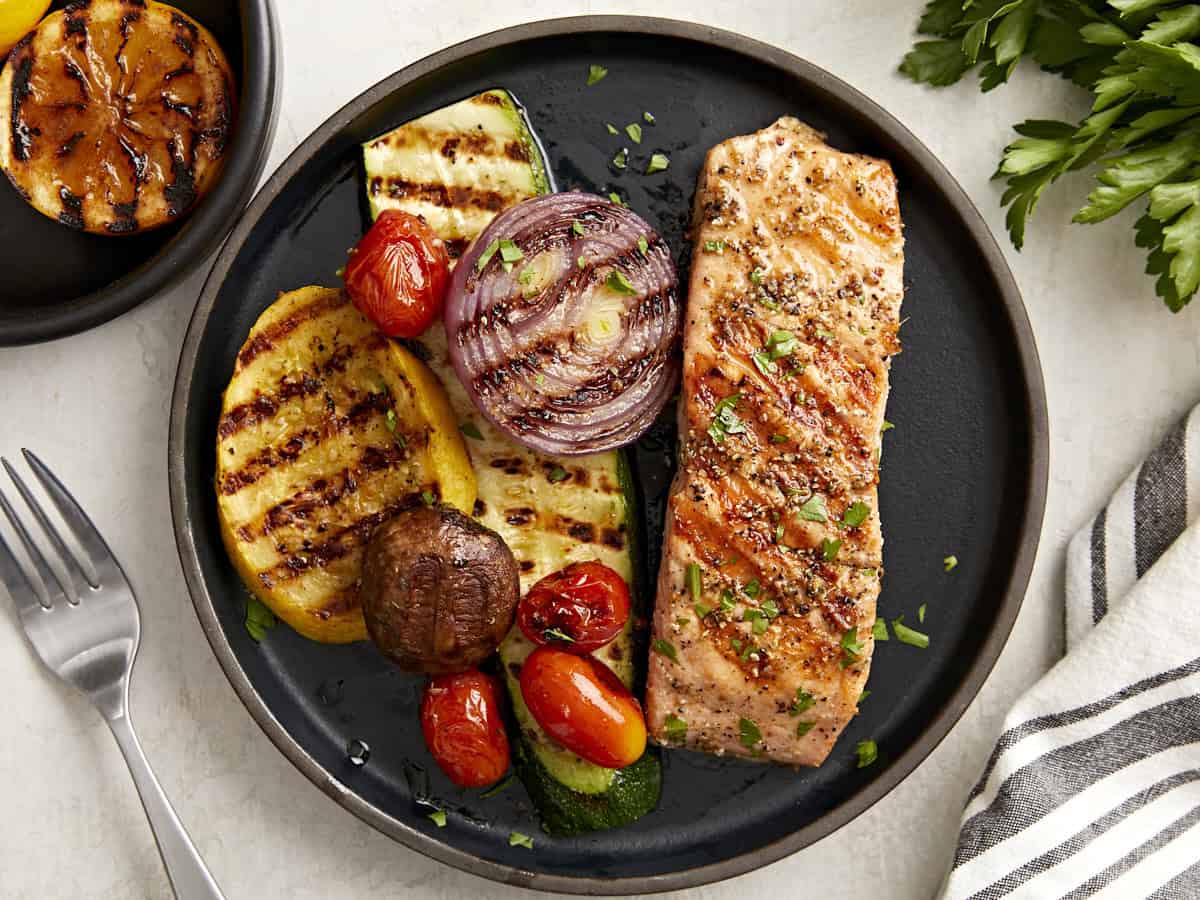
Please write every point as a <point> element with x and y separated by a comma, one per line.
<point>772,551</point>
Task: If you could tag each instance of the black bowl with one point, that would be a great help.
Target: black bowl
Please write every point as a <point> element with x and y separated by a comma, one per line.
<point>56,282</point>
<point>964,470</point>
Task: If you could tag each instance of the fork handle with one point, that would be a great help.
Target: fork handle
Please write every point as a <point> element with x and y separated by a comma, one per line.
<point>190,878</point>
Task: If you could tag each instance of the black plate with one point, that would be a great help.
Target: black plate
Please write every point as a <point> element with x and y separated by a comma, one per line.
<point>964,470</point>
<point>56,282</point>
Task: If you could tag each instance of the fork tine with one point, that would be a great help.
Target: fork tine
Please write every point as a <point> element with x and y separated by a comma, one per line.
<point>45,574</point>
<point>95,550</point>
<point>17,581</point>
<point>80,581</point>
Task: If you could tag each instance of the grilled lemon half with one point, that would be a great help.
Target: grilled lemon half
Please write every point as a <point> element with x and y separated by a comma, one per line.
<point>115,115</point>
<point>327,429</point>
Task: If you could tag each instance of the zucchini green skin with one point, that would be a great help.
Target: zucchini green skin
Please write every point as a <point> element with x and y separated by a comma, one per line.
<point>634,791</point>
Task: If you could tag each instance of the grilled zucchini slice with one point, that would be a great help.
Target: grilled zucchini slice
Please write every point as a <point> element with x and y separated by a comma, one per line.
<point>550,512</point>
<point>115,115</point>
<point>458,166</point>
<point>327,429</point>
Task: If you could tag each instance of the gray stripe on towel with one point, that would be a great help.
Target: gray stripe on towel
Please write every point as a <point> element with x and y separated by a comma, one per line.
<point>1160,499</point>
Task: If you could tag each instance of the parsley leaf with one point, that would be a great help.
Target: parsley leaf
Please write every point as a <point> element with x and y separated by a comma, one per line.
<point>621,159</point>
<point>634,130</point>
<point>921,613</point>
<point>486,256</point>
<point>577,227</point>
<point>595,73</point>
<point>611,128</point>
<point>557,474</point>
<point>814,510</point>
<point>950,563</point>
<point>259,618</point>
<point>674,727</point>
<point>658,163</point>
<point>748,732</point>
<point>666,648</point>
<point>804,701</point>
<point>725,419</point>
<point>648,117</point>
<point>438,818</point>
<point>856,514</point>
<point>516,839</point>
<point>939,62</point>
<point>851,647</point>
<point>829,549</point>
<point>763,363</point>
<point>619,283</point>
<point>906,635</point>
<point>471,430</point>
<point>867,752</point>
<point>643,245</point>
<point>695,581</point>
<point>879,630</point>
<point>803,728</point>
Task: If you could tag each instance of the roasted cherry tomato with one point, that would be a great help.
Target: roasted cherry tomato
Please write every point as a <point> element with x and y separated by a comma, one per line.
<point>397,275</point>
<point>460,717</point>
<point>584,706</point>
<point>579,608</point>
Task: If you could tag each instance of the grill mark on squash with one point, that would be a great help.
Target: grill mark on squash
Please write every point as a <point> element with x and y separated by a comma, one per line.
<point>306,439</point>
<point>346,540</point>
<point>291,387</point>
<point>266,338</point>
<point>445,196</point>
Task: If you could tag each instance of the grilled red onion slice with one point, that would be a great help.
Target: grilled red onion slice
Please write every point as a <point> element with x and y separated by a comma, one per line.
<point>562,319</point>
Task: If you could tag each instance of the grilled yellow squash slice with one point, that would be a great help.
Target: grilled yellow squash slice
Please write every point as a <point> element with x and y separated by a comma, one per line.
<point>327,429</point>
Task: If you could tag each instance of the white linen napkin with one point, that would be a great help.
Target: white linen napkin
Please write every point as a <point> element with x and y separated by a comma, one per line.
<point>1093,788</point>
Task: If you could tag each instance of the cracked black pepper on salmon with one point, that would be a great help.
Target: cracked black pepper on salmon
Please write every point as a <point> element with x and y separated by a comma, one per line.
<point>772,552</point>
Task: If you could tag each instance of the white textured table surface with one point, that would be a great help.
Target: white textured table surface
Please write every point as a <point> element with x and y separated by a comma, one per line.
<point>1119,370</point>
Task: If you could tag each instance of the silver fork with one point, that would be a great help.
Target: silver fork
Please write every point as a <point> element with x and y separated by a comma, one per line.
<point>86,631</point>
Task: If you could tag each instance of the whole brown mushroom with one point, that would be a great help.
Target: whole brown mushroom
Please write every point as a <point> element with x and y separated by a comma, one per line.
<point>439,590</point>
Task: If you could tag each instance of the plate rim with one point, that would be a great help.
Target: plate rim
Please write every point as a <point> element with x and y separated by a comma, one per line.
<point>208,226</point>
<point>1010,600</point>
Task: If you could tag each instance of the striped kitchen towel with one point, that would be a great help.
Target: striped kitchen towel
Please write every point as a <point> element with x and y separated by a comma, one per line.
<point>1093,788</point>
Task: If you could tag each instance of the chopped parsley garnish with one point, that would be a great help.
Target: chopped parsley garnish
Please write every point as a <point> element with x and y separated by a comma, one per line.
<point>612,129</point>
<point>763,363</point>
<point>648,117</point>
<point>863,696</point>
<point>824,333</point>
<point>526,275</point>
<point>486,256</point>
<point>557,474</point>
<point>779,533</point>
<point>879,630</point>
<point>757,619</point>
<point>867,752</point>
<point>577,227</point>
<point>829,549</point>
<point>950,563</point>
<point>557,634</point>
<point>634,130</point>
<point>259,618</point>
<point>682,620</point>
<point>756,276</point>
<point>390,419</point>
<point>856,514</point>
<point>746,650</point>
<point>496,789</point>
<point>621,160</point>
<point>921,613</point>
<point>702,610</point>
<point>752,588</point>
<point>510,252</point>
<point>666,648</point>
<point>614,197</point>
<point>658,163</point>
<point>748,732</point>
<point>804,701</point>
<point>643,245</point>
<point>851,647</point>
<point>727,603</point>
<point>813,509</point>
<point>779,439</point>
<point>427,498</point>
<point>674,727</point>
<point>618,283</point>
<point>516,839</point>
<point>581,262</point>
<point>725,420</point>
<point>803,728</point>
<point>438,818</point>
<point>471,430</point>
<point>695,580</point>
<point>910,636</point>
<point>781,344</point>
<point>714,246</point>
<point>595,73</point>
<point>886,426</point>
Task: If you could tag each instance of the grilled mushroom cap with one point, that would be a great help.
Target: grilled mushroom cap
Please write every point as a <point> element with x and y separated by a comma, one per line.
<point>439,590</point>
<point>115,115</point>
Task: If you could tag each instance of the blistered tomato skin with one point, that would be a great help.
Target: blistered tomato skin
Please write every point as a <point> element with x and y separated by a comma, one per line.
<point>463,728</point>
<point>580,703</point>
<point>579,608</point>
<point>397,274</point>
